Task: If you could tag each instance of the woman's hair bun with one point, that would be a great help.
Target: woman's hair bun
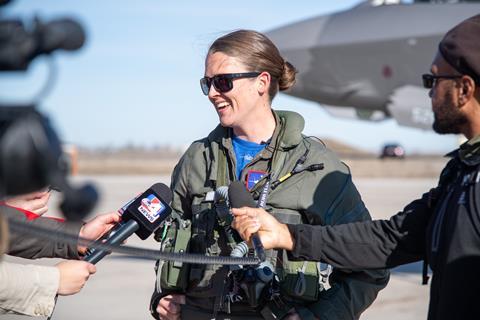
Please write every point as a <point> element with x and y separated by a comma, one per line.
<point>287,80</point>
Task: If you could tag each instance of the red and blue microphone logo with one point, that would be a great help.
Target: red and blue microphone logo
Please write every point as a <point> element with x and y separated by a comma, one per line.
<point>151,207</point>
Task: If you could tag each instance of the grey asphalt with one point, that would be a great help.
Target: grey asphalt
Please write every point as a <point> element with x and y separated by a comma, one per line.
<point>121,288</point>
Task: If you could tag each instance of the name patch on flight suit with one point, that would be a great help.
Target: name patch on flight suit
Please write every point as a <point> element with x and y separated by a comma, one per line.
<point>253,176</point>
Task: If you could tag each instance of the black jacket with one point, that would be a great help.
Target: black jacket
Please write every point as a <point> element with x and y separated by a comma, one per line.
<point>442,227</point>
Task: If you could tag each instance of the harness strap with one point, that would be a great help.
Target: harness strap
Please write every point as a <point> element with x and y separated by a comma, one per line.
<point>220,288</point>
<point>222,168</point>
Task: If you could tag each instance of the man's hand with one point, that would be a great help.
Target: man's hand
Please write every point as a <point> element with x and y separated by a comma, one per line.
<point>97,227</point>
<point>272,233</point>
<point>73,276</point>
<point>169,306</point>
<point>36,202</point>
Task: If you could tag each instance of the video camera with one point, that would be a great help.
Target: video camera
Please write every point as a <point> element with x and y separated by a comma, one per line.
<point>31,156</point>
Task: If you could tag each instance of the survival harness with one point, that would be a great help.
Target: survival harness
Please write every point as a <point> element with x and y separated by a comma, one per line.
<point>265,286</point>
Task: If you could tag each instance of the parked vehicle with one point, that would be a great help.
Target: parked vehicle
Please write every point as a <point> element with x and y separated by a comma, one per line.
<point>392,150</point>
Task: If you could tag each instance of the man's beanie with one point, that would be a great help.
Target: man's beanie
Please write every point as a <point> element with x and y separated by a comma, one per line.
<point>460,47</point>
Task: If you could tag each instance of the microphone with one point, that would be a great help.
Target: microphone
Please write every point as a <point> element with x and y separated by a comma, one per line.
<point>240,197</point>
<point>142,215</point>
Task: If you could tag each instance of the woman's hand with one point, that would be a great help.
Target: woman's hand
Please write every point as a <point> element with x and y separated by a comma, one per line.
<point>36,202</point>
<point>169,306</point>
<point>97,227</point>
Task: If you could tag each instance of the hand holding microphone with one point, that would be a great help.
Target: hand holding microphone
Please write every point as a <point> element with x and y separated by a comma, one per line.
<point>98,227</point>
<point>273,234</point>
<point>73,276</point>
<point>142,216</point>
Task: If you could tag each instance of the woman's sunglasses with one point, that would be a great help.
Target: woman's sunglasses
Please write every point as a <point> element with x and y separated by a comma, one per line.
<point>224,82</point>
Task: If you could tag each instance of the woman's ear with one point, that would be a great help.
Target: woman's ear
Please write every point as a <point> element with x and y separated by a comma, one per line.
<point>263,81</point>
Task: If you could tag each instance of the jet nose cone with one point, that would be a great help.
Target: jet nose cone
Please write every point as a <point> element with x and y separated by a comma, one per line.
<point>301,35</point>
<point>296,43</point>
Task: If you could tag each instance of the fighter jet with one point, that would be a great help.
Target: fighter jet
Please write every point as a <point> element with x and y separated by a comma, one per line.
<point>367,62</point>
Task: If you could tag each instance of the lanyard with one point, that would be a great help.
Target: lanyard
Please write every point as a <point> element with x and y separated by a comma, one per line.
<point>262,199</point>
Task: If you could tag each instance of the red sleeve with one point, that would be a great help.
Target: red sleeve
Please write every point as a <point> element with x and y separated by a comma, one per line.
<point>30,215</point>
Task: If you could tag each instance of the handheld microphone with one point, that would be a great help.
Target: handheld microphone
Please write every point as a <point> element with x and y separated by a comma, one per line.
<point>240,197</point>
<point>143,216</point>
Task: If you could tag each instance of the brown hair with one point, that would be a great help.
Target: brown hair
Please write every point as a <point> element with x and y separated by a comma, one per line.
<point>258,53</point>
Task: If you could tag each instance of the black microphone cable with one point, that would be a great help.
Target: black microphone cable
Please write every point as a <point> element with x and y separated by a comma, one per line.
<point>298,167</point>
<point>139,253</point>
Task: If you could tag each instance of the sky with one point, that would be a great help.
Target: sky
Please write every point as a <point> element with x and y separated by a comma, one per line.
<point>136,80</point>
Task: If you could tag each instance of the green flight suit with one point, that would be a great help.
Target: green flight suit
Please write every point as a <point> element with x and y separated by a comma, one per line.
<point>324,196</point>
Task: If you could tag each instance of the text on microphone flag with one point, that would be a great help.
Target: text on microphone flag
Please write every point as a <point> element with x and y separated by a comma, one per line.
<point>151,208</point>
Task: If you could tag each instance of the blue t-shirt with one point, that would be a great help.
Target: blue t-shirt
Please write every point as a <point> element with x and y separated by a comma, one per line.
<point>245,151</point>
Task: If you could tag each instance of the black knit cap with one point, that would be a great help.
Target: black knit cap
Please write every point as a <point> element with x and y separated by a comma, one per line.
<point>460,47</point>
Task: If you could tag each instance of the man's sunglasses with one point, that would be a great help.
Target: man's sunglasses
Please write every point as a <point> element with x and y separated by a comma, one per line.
<point>430,79</point>
<point>223,82</point>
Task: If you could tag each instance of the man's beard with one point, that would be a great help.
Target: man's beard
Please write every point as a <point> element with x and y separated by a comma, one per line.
<point>448,118</point>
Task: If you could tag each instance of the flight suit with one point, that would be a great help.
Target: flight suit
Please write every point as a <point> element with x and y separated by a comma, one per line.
<point>323,195</point>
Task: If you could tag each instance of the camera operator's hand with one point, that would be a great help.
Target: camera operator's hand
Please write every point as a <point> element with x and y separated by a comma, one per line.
<point>169,307</point>
<point>272,233</point>
<point>36,202</point>
<point>73,276</point>
<point>97,227</point>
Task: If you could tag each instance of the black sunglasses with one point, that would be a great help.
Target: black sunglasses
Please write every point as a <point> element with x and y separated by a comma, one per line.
<point>430,79</point>
<point>223,82</point>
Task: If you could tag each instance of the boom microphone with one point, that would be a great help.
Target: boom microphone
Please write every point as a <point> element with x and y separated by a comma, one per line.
<point>143,216</point>
<point>240,197</point>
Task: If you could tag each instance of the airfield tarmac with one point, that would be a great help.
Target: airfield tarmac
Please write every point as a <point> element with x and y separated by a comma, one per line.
<point>121,288</point>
